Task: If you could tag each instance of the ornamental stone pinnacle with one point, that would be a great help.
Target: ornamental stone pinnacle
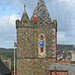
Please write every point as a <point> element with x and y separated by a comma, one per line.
<point>25,15</point>
<point>41,11</point>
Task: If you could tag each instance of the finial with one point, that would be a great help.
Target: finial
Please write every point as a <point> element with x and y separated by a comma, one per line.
<point>41,0</point>
<point>24,7</point>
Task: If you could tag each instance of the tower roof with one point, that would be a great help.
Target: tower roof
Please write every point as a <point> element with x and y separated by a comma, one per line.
<point>41,11</point>
<point>25,15</point>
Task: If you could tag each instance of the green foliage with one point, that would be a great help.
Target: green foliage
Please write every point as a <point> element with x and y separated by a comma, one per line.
<point>8,53</point>
<point>12,62</point>
<point>65,47</point>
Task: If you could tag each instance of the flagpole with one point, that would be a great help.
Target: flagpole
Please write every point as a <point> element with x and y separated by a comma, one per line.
<point>14,58</point>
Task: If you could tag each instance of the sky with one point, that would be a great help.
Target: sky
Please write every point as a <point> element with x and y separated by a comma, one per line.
<point>61,10</point>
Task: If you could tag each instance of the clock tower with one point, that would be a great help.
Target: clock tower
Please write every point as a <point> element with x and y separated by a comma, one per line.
<point>36,41</point>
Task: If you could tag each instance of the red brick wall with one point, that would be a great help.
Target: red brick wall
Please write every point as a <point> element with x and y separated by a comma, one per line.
<point>13,74</point>
<point>53,61</point>
<point>59,73</point>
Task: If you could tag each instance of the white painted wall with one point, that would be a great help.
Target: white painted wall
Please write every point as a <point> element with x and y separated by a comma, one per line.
<point>73,56</point>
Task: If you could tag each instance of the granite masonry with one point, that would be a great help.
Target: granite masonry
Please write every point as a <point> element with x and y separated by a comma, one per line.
<point>36,41</point>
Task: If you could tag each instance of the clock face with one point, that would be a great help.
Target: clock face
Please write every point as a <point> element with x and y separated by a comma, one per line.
<point>42,43</point>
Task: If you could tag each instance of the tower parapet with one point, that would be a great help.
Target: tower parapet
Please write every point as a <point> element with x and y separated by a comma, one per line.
<point>44,20</point>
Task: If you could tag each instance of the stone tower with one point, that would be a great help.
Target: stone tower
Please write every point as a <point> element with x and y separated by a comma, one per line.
<point>36,41</point>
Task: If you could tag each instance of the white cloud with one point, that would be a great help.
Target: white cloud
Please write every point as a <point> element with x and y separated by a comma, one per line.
<point>8,21</point>
<point>61,37</point>
<point>66,38</point>
<point>13,18</point>
<point>61,10</point>
<point>8,29</point>
<point>68,1</point>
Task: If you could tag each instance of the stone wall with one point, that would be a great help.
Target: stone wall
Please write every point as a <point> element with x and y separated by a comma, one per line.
<point>27,41</point>
<point>29,60</point>
<point>33,66</point>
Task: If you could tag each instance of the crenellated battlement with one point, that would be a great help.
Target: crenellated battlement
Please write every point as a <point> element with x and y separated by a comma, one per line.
<point>39,24</point>
<point>44,19</point>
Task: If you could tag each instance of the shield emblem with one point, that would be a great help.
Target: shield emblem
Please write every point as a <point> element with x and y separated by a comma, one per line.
<point>35,18</point>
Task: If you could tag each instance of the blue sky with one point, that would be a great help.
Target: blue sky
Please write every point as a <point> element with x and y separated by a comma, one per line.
<point>61,10</point>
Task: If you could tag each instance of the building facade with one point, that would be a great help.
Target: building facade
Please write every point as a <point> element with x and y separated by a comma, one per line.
<point>62,68</point>
<point>36,41</point>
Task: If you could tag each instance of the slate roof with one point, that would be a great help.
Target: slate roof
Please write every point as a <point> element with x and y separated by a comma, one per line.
<point>41,11</point>
<point>63,67</point>
<point>3,69</point>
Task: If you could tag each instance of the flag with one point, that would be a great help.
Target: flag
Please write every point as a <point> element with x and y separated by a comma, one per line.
<point>15,44</point>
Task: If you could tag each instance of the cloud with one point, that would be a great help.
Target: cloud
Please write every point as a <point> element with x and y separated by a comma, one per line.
<point>18,6</point>
<point>61,37</point>
<point>61,10</point>
<point>64,13</point>
<point>68,1</point>
<point>65,38</point>
<point>7,22</point>
<point>8,28</point>
<point>13,18</point>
